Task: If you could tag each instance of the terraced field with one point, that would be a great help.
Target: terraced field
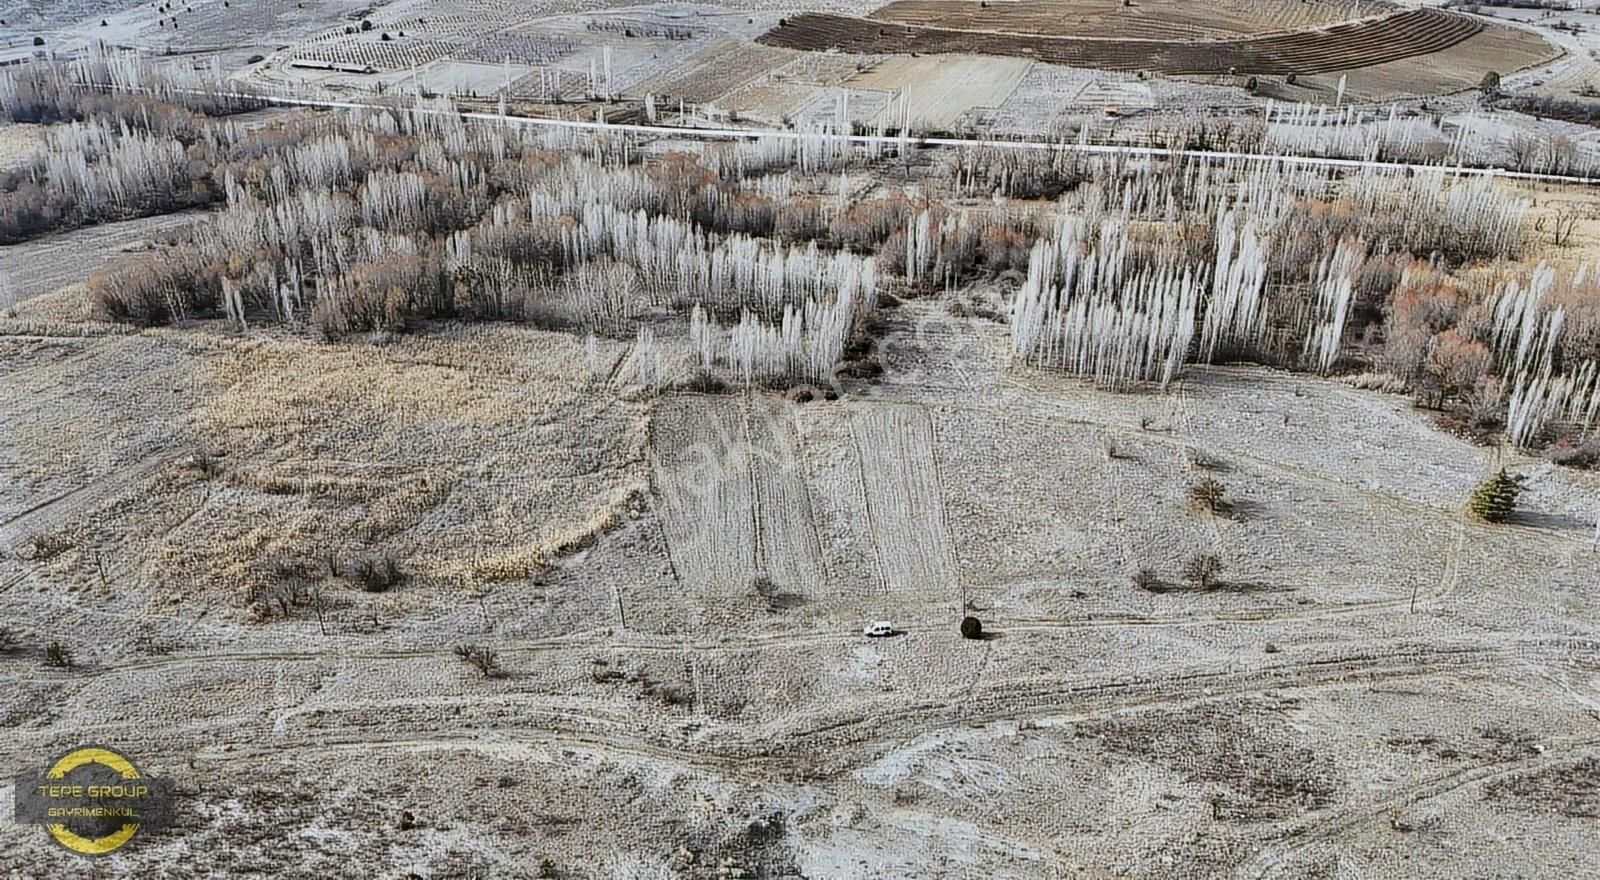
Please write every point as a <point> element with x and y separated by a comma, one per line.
<point>1338,47</point>
<point>1153,19</point>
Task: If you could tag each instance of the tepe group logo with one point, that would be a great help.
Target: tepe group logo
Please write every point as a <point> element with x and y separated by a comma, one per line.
<point>94,801</point>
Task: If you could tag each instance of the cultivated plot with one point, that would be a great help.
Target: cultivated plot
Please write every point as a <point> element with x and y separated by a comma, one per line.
<point>937,90</point>
<point>707,495</point>
<point>900,476</point>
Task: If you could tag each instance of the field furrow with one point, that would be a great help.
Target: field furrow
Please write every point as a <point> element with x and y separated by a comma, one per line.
<point>903,497</point>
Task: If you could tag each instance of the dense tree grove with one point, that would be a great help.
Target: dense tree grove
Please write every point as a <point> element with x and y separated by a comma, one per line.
<point>774,252</point>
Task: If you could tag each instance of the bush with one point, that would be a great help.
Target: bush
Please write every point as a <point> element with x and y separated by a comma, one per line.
<point>1146,579</point>
<point>486,661</point>
<point>971,628</point>
<point>204,463</point>
<point>48,545</point>
<point>1582,454</point>
<point>377,574</point>
<point>8,641</point>
<point>149,291</point>
<point>1545,107</point>
<point>58,656</point>
<point>275,597</point>
<point>1495,499</point>
<point>1201,571</point>
<point>1209,496</point>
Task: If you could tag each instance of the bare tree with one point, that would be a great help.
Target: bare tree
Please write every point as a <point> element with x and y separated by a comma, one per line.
<point>1565,220</point>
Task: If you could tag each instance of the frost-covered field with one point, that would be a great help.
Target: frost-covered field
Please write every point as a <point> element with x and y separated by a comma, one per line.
<point>443,499</point>
<point>1101,727</point>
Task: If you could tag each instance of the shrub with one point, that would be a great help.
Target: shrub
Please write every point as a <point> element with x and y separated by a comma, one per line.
<point>1458,362</point>
<point>206,464</point>
<point>1111,449</point>
<point>1209,496</point>
<point>48,545</point>
<point>971,628</point>
<point>275,597</point>
<point>1199,459</point>
<point>8,641</point>
<point>377,574</point>
<point>1201,571</point>
<point>669,694</point>
<point>486,661</point>
<point>148,291</point>
<point>58,656</point>
<point>1495,499</point>
<point>1580,454</point>
<point>1146,579</point>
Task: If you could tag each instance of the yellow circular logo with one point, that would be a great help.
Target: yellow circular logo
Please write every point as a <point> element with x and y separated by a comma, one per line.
<point>93,801</point>
<point>76,842</point>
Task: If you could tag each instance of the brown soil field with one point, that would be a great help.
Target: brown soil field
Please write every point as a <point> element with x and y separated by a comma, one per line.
<point>1497,48</point>
<point>1339,47</point>
<point>1151,19</point>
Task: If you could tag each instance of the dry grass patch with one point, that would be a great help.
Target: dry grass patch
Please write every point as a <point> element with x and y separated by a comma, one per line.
<point>479,455</point>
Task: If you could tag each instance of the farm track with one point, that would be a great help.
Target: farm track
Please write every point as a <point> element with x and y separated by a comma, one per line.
<point>1362,43</point>
<point>517,717</point>
<point>635,643</point>
<point>616,742</point>
<point>1325,826</point>
<point>1056,701</point>
<point>51,513</point>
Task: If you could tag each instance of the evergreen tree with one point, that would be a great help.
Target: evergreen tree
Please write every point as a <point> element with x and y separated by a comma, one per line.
<point>1495,499</point>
